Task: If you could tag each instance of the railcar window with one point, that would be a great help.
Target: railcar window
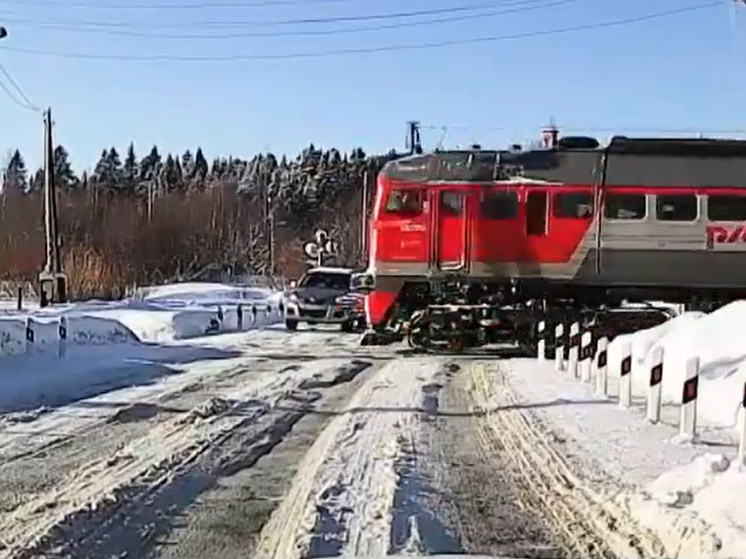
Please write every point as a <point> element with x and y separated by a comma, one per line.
<point>577,205</point>
<point>726,207</point>
<point>451,203</point>
<point>404,202</point>
<point>676,207</point>
<point>499,205</point>
<point>624,206</point>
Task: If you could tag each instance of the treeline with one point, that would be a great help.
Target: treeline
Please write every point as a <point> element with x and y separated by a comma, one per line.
<point>163,217</point>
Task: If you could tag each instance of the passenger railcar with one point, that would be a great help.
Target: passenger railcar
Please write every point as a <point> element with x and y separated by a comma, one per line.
<point>489,240</point>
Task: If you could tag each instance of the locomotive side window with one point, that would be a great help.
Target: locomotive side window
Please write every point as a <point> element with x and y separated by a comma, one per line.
<point>405,202</point>
<point>499,205</point>
<point>676,207</point>
<point>451,203</point>
<point>573,205</point>
<point>625,206</point>
<point>726,207</point>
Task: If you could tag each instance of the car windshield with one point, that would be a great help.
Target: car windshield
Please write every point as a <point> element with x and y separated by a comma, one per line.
<point>326,280</point>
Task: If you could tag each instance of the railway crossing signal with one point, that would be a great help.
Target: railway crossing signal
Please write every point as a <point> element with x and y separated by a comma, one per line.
<point>321,248</point>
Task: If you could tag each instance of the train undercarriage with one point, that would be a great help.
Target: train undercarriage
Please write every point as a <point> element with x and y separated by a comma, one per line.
<point>457,316</point>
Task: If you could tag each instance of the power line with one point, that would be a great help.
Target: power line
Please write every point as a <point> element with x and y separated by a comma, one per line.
<point>24,102</point>
<point>363,50</point>
<point>540,5</point>
<point>593,129</point>
<point>18,88</point>
<point>299,21</point>
<point>184,6</point>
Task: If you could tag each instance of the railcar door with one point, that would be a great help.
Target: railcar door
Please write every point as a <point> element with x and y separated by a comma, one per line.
<point>536,208</point>
<point>452,230</point>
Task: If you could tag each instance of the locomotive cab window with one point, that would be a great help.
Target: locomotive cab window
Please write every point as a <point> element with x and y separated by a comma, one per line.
<point>573,205</point>
<point>726,207</point>
<point>408,203</point>
<point>499,204</point>
<point>625,206</point>
<point>676,207</point>
<point>451,203</point>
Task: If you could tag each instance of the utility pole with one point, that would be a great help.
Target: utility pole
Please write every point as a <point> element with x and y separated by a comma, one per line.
<point>364,217</point>
<point>270,210</point>
<point>53,281</point>
<point>413,144</point>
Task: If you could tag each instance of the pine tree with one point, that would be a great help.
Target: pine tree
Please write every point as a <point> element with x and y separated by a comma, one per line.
<point>114,167</point>
<point>150,165</point>
<point>187,165</point>
<point>36,182</point>
<point>170,176</point>
<point>64,176</point>
<point>15,176</point>
<point>130,170</point>
<point>100,175</point>
<point>200,168</point>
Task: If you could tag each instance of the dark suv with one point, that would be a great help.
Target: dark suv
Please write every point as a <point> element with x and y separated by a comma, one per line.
<point>322,296</point>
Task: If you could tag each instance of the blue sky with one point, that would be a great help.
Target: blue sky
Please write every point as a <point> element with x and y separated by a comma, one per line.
<point>682,71</point>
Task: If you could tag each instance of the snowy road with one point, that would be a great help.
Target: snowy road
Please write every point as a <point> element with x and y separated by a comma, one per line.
<point>293,445</point>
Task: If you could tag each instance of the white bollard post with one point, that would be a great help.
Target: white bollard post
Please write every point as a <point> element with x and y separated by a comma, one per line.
<point>586,356</point>
<point>572,357</point>
<point>541,346</point>
<point>30,334</point>
<point>688,425</point>
<point>559,348</point>
<point>62,334</point>
<point>742,429</point>
<point>602,360</point>
<point>654,387</point>
<point>625,376</point>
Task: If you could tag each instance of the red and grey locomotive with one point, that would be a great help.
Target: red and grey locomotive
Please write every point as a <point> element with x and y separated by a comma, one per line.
<point>468,245</point>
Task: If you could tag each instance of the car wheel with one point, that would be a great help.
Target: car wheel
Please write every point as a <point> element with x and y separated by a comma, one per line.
<point>346,326</point>
<point>291,325</point>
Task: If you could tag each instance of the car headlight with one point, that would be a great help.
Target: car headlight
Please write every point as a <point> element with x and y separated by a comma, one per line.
<point>293,298</point>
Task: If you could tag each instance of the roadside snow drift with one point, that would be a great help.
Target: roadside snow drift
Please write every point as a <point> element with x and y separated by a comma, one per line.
<point>155,315</point>
<point>718,339</point>
<point>692,499</point>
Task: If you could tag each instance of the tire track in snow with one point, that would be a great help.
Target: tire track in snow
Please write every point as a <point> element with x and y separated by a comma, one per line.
<point>588,523</point>
<point>343,499</point>
<point>415,528</point>
<point>56,427</point>
<point>121,503</point>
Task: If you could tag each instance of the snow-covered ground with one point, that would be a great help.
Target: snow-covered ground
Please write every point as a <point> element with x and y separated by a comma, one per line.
<point>119,344</point>
<point>154,315</point>
<point>430,454</point>
<point>688,493</point>
<point>342,500</point>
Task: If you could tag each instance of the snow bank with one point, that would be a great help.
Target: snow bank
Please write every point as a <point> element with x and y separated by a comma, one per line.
<point>690,499</point>
<point>718,339</point>
<point>157,315</point>
<point>697,508</point>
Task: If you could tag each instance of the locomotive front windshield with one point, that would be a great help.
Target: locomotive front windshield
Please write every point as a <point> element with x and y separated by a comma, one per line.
<point>326,280</point>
